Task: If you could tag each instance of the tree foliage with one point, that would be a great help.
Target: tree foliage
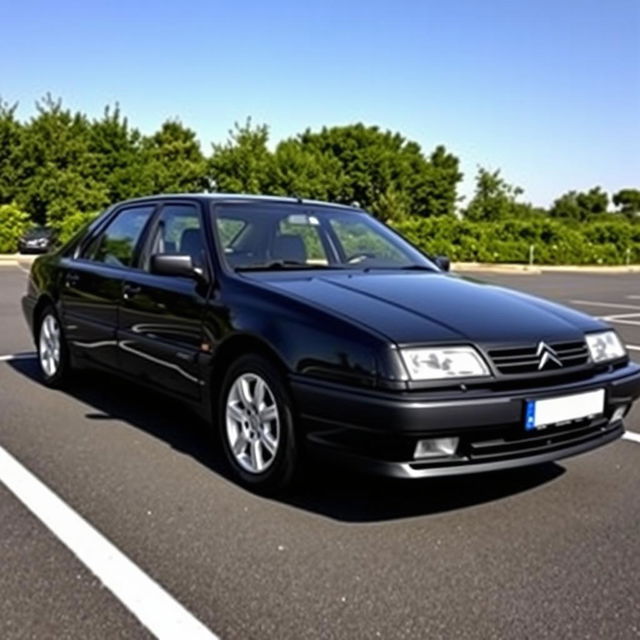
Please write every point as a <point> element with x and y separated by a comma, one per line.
<point>579,206</point>
<point>13,224</point>
<point>628,201</point>
<point>243,164</point>
<point>494,198</point>
<point>61,167</point>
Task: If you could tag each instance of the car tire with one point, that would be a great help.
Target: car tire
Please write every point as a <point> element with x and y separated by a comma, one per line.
<point>256,421</point>
<point>53,354</point>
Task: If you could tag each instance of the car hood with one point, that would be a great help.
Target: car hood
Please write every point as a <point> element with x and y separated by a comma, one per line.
<point>433,307</point>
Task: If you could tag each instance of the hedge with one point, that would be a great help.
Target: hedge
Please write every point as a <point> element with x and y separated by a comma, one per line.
<point>69,226</point>
<point>555,242</point>
<point>13,225</point>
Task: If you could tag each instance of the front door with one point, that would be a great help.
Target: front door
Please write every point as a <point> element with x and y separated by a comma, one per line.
<point>160,320</point>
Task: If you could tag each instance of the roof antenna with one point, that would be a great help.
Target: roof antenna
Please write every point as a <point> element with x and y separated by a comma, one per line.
<point>297,197</point>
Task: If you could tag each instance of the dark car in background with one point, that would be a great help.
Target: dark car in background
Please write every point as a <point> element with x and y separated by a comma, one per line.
<point>37,240</point>
<point>297,326</point>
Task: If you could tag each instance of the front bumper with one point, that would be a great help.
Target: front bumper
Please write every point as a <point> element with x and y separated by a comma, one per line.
<point>377,431</point>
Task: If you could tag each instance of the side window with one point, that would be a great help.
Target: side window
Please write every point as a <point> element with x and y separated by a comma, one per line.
<point>117,243</point>
<point>298,240</point>
<point>178,230</point>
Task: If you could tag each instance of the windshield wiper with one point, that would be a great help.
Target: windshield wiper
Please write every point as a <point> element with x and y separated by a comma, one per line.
<point>408,267</point>
<point>418,267</point>
<point>277,265</point>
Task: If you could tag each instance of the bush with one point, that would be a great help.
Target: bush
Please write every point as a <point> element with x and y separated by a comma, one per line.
<point>607,242</point>
<point>13,225</point>
<point>72,224</point>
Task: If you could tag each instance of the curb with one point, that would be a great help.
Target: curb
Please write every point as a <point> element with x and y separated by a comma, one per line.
<point>16,259</point>
<point>525,269</point>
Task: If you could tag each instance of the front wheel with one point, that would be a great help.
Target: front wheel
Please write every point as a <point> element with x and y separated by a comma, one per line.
<point>256,423</point>
<point>53,355</point>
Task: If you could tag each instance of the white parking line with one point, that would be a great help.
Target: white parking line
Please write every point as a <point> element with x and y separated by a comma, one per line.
<point>613,305</point>
<point>17,356</point>
<point>633,347</point>
<point>631,435</point>
<point>617,320</point>
<point>141,595</point>
<point>634,314</point>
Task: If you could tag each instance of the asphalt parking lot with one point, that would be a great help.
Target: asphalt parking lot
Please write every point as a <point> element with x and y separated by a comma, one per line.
<point>548,552</point>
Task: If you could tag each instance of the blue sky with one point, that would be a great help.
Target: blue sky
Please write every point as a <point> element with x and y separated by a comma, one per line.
<point>546,91</point>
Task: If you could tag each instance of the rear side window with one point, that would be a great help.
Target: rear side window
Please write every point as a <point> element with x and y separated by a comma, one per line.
<point>116,245</point>
<point>178,230</point>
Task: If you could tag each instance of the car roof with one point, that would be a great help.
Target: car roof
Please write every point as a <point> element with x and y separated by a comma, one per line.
<point>239,197</point>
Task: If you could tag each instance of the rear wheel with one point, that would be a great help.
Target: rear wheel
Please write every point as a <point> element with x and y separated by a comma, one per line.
<point>53,355</point>
<point>256,423</point>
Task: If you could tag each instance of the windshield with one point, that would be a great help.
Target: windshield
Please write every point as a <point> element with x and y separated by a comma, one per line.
<point>298,236</point>
<point>38,232</point>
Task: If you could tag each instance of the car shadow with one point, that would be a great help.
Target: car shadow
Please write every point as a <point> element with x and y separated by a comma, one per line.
<point>324,489</point>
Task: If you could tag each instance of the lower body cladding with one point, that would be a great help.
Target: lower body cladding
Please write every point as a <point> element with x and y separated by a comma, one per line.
<point>428,434</point>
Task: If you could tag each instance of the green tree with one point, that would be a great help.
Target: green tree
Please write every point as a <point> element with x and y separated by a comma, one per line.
<point>11,132</point>
<point>391,206</point>
<point>494,198</point>
<point>628,201</point>
<point>440,188</point>
<point>297,170</point>
<point>173,161</point>
<point>593,202</point>
<point>376,163</point>
<point>55,168</point>
<point>117,158</point>
<point>579,206</point>
<point>243,164</point>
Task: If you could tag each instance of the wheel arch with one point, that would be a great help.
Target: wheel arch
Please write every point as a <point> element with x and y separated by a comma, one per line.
<point>238,345</point>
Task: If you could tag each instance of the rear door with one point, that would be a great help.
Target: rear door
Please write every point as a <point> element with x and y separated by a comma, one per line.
<point>91,287</point>
<point>160,321</point>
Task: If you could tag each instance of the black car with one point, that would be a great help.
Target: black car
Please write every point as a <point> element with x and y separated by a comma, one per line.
<point>297,326</point>
<point>36,240</point>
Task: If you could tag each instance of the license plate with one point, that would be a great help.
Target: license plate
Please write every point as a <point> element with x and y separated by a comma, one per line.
<point>542,413</point>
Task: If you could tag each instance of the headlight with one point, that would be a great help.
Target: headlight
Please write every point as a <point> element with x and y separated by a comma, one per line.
<point>446,362</point>
<point>605,346</point>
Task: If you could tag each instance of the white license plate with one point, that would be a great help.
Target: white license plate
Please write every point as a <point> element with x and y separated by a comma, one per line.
<point>542,413</point>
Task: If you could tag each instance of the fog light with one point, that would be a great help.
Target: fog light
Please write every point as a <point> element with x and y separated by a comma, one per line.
<point>618,414</point>
<point>436,447</point>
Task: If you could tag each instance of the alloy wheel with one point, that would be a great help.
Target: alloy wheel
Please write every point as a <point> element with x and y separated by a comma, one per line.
<point>49,343</point>
<point>253,423</point>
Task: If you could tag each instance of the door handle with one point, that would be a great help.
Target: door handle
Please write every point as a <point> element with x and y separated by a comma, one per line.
<point>71,279</point>
<point>130,290</point>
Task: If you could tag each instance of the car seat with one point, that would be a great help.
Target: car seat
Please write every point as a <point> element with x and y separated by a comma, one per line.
<point>289,248</point>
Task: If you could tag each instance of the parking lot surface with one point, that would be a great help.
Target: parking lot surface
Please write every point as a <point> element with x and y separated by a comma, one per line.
<point>546,552</point>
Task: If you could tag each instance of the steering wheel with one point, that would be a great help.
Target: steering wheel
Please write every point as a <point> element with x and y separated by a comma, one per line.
<point>359,257</point>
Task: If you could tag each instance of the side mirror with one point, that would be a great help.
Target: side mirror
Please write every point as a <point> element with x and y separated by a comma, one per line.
<point>174,264</point>
<point>442,262</point>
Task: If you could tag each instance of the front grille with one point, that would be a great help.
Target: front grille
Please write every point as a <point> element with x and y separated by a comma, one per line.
<point>522,360</point>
